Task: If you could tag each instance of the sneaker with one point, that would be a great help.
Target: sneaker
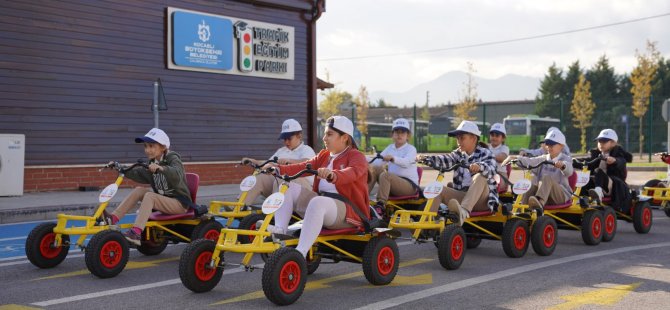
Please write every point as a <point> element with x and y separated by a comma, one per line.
<point>455,207</point>
<point>133,237</point>
<point>107,218</point>
<point>596,194</point>
<point>271,228</point>
<point>379,210</point>
<point>534,203</point>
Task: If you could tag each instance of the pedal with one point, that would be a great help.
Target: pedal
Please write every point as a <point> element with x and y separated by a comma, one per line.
<point>507,209</point>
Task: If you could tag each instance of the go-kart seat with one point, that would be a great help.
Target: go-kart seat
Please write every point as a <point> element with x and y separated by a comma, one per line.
<point>192,182</point>
<point>503,188</point>
<point>416,195</point>
<point>341,231</point>
<point>572,181</point>
<point>481,213</point>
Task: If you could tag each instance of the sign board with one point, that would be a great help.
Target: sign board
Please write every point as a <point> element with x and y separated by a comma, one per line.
<point>665,111</point>
<point>211,43</point>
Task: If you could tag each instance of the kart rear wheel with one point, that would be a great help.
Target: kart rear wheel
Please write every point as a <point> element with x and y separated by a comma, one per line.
<point>473,242</point>
<point>313,264</point>
<point>667,211</point>
<point>249,223</point>
<point>642,217</point>
<point>195,271</point>
<point>106,254</point>
<point>592,227</point>
<point>380,260</point>
<point>515,238</point>
<point>39,246</point>
<point>610,224</point>
<point>284,276</point>
<point>543,236</point>
<point>207,229</point>
<point>155,245</point>
<point>451,247</point>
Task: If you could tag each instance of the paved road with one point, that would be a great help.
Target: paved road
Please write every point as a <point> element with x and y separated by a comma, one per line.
<point>631,272</point>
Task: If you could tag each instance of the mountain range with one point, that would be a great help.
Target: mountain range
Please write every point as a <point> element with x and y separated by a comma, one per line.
<point>449,87</point>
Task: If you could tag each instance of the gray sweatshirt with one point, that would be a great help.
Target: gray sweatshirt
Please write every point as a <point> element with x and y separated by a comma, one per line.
<point>558,175</point>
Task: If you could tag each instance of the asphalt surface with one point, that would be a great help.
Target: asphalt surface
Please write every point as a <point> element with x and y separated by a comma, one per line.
<point>631,272</point>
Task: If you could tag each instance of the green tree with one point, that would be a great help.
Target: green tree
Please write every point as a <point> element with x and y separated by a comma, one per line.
<point>604,82</point>
<point>381,103</point>
<point>362,102</point>
<point>333,99</point>
<point>641,78</point>
<point>425,112</point>
<point>468,101</point>
<point>550,92</point>
<point>582,109</point>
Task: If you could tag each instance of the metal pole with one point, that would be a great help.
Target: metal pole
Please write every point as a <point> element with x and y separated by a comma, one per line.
<point>154,105</point>
<point>651,114</point>
<point>415,128</point>
<point>484,121</point>
<point>560,122</point>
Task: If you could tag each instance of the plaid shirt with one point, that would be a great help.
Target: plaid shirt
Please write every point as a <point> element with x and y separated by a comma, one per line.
<point>481,156</point>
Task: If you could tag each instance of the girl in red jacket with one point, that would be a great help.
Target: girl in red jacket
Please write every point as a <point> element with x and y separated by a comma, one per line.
<point>340,186</point>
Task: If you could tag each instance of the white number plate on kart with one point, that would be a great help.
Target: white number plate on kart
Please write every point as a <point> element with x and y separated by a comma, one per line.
<point>582,178</point>
<point>248,183</point>
<point>521,187</point>
<point>432,190</point>
<point>108,192</point>
<point>273,203</point>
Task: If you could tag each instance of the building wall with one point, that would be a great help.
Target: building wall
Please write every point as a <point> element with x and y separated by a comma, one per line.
<point>76,78</point>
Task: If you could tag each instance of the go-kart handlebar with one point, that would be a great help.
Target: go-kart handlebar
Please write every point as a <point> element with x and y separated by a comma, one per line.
<point>253,165</point>
<point>123,169</point>
<point>289,178</point>
<point>434,165</point>
<point>529,167</point>
<point>378,156</point>
<point>586,161</point>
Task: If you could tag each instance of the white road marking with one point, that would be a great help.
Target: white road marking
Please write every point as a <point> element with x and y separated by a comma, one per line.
<point>402,299</point>
<point>13,238</point>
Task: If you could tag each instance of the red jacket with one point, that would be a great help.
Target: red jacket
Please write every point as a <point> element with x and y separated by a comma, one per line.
<point>351,168</point>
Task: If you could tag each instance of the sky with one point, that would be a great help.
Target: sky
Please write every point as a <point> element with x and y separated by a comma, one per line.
<point>354,28</point>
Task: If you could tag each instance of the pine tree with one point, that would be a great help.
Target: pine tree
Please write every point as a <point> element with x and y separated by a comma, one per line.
<point>551,89</point>
<point>582,108</point>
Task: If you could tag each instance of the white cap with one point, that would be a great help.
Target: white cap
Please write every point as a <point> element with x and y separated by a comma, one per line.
<point>342,124</point>
<point>608,134</point>
<point>555,136</point>
<point>465,127</point>
<point>498,127</point>
<point>289,128</point>
<point>155,135</point>
<point>401,123</point>
<point>552,128</point>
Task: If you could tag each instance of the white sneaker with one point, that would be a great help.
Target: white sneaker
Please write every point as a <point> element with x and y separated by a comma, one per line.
<point>271,228</point>
<point>534,203</point>
<point>455,207</point>
<point>596,194</point>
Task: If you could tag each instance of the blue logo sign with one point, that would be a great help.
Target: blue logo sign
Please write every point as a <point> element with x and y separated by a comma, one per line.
<point>202,41</point>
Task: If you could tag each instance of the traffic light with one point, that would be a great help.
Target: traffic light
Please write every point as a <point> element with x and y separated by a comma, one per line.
<point>245,42</point>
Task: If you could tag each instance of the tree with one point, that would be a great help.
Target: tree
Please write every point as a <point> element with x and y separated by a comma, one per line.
<point>425,112</point>
<point>362,102</point>
<point>330,105</point>
<point>468,102</point>
<point>604,82</point>
<point>582,108</point>
<point>551,90</point>
<point>641,78</point>
<point>381,103</point>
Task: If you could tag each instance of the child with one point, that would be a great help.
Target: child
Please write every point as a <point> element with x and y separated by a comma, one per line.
<point>402,178</point>
<point>542,150</point>
<point>474,188</point>
<point>500,151</point>
<point>170,193</point>
<point>609,172</point>
<point>294,151</point>
<point>550,183</point>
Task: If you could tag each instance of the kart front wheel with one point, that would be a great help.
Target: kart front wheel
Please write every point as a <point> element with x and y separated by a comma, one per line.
<point>284,276</point>
<point>592,227</point>
<point>515,238</point>
<point>451,247</point>
<point>40,248</point>
<point>642,217</point>
<point>543,236</point>
<point>473,242</point>
<point>106,254</point>
<point>207,229</point>
<point>610,223</point>
<point>380,260</point>
<point>155,244</point>
<point>195,270</point>
<point>249,223</point>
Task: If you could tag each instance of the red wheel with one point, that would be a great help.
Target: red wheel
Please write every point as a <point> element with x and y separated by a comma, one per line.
<point>610,223</point>
<point>380,263</point>
<point>207,229</point>
<point>520,241</point>
<point>451,247</point>
<point>642,217</point>
<point>249,223</point>
<point>543,236</point>
<point>40,248</point>
<point>284,276</point>
<point>212,234</point>
<point>289,277</point>
<point>385,261</point>
<point>46,246</point>
<point>515,237</point>
<point>592,228</point>
<point>202,270</point>
<point>457,247</point>
<point>107,254</point>
<point>195,270</point>
<point>110,254</point>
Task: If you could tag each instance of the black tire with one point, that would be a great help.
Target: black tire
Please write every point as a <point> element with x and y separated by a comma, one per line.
<point>249,223</point>
<point>194,270</point>
<point>544,236</point>
<point>609,224</point>
<point>207,229</point>
<point>667,211</point>
<point>155,245</point>
<point>473,242</point>
<point>592,227</point>
<point>284,276</point>
<point>313,264</point>
<point>515,238</point>
<point>652,183</point>
<point>642,217</point>
<point>451,247</point>
<point>380,260</point>
<point>106,254</point>
<point>39,246</point>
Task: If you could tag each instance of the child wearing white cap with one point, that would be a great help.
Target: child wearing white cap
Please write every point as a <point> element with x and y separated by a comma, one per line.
<point>168,192</point>
<point>609,171</point>
<point>474,188</point>
<point>497,135</point>
<point>402,178</point>
<point>293,151</point>
<point>542,150</point>
<point>339,197</point>
<point>550,183</point>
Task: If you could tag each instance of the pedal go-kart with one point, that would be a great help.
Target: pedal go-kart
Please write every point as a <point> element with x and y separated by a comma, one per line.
<point>285,272</point>
<point>106,253</point>
<point>237,210</point>
<point>660,195</point>
<point>639,214</point>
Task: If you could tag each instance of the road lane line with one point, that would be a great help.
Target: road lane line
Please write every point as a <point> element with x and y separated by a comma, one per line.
<point>402,299</point>
<point>14,238</point>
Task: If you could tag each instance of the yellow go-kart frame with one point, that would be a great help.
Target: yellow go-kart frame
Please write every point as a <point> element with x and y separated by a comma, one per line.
<point>660,196</point>
<point>285,272</point>
<point>106,253</point>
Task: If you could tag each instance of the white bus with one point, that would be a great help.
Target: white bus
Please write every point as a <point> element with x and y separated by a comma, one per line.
<point>527,130</point>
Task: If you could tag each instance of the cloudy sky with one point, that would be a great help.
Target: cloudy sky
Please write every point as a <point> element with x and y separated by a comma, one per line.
<point>355,28</point>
